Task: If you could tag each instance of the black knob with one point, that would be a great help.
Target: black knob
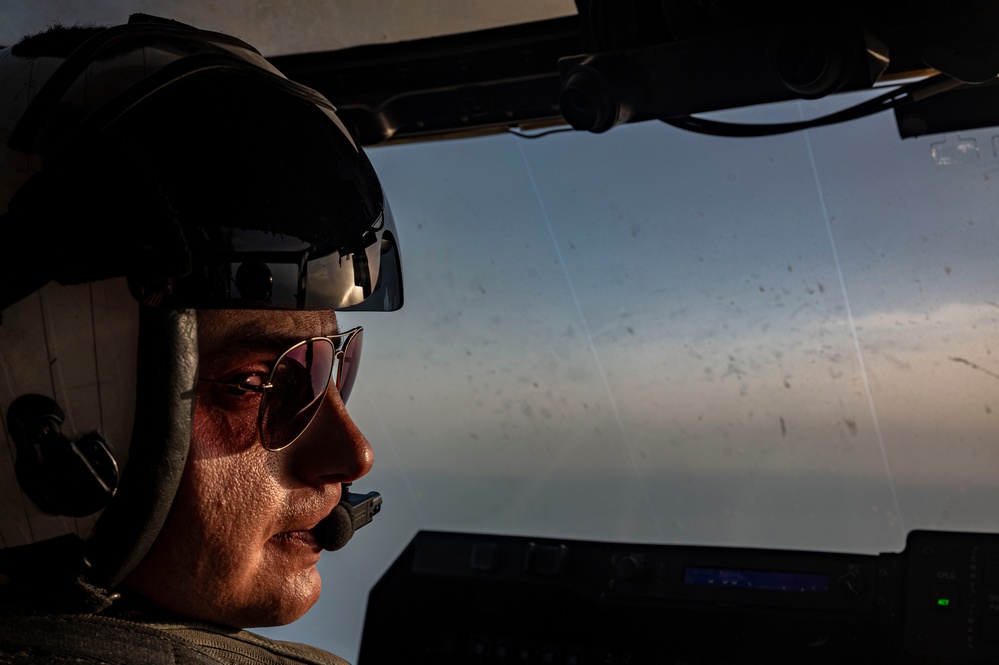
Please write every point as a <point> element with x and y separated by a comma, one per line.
<point>629,567</point>
<point>588,102</point>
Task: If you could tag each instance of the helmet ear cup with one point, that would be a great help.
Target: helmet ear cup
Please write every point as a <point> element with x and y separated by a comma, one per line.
<point>61,476</point>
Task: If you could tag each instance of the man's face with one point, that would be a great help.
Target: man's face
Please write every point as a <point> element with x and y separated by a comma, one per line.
<point>237,548</point>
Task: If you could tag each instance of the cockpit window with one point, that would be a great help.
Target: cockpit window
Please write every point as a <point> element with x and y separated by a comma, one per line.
<point>655,336</point>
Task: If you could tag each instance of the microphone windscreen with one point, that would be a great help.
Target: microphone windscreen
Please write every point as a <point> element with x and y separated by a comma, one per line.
<point>335,529</point>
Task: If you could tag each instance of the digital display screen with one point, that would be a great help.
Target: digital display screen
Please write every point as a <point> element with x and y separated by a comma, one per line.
<point>761,580</point>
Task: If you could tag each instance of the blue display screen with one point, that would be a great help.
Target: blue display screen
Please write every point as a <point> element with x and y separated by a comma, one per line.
<point>761,580</point>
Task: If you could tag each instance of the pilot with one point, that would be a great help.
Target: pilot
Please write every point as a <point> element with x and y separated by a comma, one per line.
<point>181,224</point>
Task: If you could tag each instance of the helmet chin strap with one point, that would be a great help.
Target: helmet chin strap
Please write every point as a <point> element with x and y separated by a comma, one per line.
<point>163,415</point>
<point>350,514</point>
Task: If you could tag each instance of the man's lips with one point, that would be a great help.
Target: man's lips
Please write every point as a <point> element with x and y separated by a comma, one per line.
<point>304,538</point>
<point>303,527</point>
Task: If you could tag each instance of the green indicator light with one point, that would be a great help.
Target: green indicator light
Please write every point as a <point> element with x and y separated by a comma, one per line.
<point>943,602</point>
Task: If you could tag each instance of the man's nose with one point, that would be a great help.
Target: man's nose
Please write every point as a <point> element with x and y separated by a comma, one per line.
<point>332,449</point>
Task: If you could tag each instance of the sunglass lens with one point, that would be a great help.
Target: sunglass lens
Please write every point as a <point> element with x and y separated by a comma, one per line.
<point>349,362</point>
<point>300,380</point>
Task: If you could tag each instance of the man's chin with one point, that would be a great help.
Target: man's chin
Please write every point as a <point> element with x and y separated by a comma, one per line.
<point>289,602</point>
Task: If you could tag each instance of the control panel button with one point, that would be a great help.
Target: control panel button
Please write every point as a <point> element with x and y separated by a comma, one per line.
<point>546,560</point>
<point>944,597</point>
<point>484,556</point>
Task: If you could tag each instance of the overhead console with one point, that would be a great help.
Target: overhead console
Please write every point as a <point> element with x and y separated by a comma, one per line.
<point>475,598</point>
<point>625,61</point>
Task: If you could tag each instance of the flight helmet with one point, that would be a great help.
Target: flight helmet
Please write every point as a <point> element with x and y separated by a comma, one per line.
<point>149,170</point>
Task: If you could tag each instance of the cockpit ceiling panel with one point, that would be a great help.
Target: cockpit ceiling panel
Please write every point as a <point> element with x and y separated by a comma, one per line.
<point>277,28</point>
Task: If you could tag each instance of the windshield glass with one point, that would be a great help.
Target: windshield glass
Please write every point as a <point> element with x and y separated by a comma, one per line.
<point>655,336</point>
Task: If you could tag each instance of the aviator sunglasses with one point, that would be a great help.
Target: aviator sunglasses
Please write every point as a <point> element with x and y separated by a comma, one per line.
<point>291,395</point>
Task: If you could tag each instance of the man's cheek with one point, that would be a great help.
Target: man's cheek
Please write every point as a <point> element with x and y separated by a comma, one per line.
<point>217,433</point>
